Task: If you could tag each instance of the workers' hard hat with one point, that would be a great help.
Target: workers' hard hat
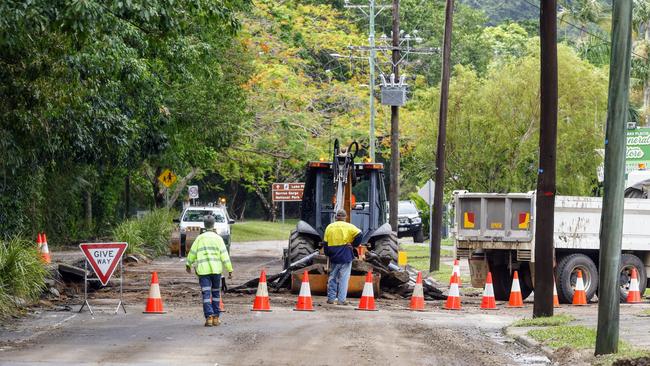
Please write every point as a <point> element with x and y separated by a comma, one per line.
<point>341,214</point>
<point>208,221</point>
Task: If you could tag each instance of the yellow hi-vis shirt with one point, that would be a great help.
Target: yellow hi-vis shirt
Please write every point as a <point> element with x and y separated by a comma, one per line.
<point>340,233</point>
<point>209,253</point>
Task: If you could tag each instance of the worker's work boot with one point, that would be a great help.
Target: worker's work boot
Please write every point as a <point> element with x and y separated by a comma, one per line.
<point>209,321</point>
<point>215,321</point>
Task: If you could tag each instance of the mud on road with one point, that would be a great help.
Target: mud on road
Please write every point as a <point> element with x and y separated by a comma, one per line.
<point>330,335</point>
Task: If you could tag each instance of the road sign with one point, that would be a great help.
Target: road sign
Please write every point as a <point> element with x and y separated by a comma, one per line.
<point>637,155</point>
<point>426,192</point>
<point>103,257</point>
<point>287,192</point>
<point>167,177</point>
<point>193,192</point>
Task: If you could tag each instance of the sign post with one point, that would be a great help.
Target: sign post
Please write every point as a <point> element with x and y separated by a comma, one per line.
<point>426,192</point>
<point>193,193</point>
<point>103,258</point>
<point>287,192</point>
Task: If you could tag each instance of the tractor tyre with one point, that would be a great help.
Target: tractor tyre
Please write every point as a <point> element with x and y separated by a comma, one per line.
<point>386,248</point>
<point>300,246</point>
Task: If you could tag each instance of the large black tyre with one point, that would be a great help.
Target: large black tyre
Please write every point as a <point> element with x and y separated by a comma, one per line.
<point>567,274</point>
<point>629,261</point>
<point>418,237</point>
<point>502,281</point>
<point>386,247</point>
<point>300,246</point>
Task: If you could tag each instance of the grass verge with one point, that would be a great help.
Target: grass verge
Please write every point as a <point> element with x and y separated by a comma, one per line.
<point>258,230</point>
<point>544,322</point>
<point>573,336</point>
<point>418,258</point>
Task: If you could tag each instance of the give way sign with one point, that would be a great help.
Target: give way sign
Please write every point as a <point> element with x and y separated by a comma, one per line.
<point>103,257</point>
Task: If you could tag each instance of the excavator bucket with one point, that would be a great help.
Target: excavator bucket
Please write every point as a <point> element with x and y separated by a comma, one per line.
<point>318,284</point>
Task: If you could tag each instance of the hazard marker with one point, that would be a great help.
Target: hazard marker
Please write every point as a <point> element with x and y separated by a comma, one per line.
<point>516,300</point>
<point>262,302</point>
<point>103,258</point>
<point>453,299</point>
<point>633,295</point>
<point>488,302</point>
<point>417,299</point>
<point>367,301</point>
<point>304,297</point>
<point>579,295</point>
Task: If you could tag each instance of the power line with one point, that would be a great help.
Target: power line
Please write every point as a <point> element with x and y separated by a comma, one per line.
<point>585,30</point>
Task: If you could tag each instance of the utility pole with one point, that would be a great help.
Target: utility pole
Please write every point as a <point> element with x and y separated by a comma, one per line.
<point>393,194</point>
<point>371,61</point>
<point>611,221</point>
<point>436,218</point>
<point>372,10</point>
<point>546,187</point>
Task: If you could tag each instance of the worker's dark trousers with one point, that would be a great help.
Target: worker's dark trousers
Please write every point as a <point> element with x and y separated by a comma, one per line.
<point>210,286</point>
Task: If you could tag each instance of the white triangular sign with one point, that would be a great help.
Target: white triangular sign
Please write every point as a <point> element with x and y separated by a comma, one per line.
<point>103,258</point>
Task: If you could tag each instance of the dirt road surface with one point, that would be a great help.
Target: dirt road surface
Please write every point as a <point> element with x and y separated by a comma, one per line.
<point>332,335</point>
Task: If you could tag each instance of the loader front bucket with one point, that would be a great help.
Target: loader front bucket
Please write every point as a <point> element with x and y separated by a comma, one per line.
<point>318,284</point>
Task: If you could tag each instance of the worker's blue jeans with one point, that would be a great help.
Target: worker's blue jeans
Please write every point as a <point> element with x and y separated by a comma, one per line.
<point>337,284</point>
<point>210,286</point>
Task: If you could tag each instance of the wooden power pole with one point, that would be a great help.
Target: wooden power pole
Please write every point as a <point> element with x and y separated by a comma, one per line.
<point>545,207</point>
<point>436,218</point>
<point>611,222</point>
<point>394,127</point>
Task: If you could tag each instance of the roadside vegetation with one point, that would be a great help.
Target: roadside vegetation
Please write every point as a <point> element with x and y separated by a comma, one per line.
<point>258,230</point>
<point>22,275</point>
<point>555,320</point>
<point>576,337</point>
<point>149,235</point>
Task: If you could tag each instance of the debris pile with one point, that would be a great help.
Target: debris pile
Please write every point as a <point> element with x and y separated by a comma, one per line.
<point>395,281</point>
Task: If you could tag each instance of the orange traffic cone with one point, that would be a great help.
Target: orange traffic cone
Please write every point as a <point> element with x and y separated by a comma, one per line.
<point>417,299</point>
<point>455,270</point>
<point>45,251</point>
<point>304,297</point>
<point>39,242</point>
<point>488,302</point>
<point>261,302</point>
<point>367,301</point>
<point>633,295</point>
<point>579,296</point>
<point>515,301</point>
<point>154,301</point>
<point>453,298</point>
<point>221,307</point>
<point>556,301</point>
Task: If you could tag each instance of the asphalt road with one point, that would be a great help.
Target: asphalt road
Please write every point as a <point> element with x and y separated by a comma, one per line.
<point>330,335</point>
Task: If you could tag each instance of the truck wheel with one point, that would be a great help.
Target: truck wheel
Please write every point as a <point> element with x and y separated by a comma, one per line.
<point>567,274</point>
<point>418,237</point>
<point>386,248</point>
<point>502,281</point>
<point>629,261</point>
<point>300,246</point>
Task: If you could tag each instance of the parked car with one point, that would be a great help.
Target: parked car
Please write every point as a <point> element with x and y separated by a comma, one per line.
<point>190,225</point>
<point>409,222</point>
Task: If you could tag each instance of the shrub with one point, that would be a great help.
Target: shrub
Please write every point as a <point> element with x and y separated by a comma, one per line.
<point>149,235</point>
<point>129,232</point>
<point>22,274</point>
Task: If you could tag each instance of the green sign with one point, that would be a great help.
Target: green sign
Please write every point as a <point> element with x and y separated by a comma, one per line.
<point>638,149</point>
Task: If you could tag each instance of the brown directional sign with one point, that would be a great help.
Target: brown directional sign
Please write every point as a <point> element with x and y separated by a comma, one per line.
<point>287,191</point>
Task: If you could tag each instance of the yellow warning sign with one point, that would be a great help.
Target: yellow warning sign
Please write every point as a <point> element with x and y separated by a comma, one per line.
<point>167,177</point>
